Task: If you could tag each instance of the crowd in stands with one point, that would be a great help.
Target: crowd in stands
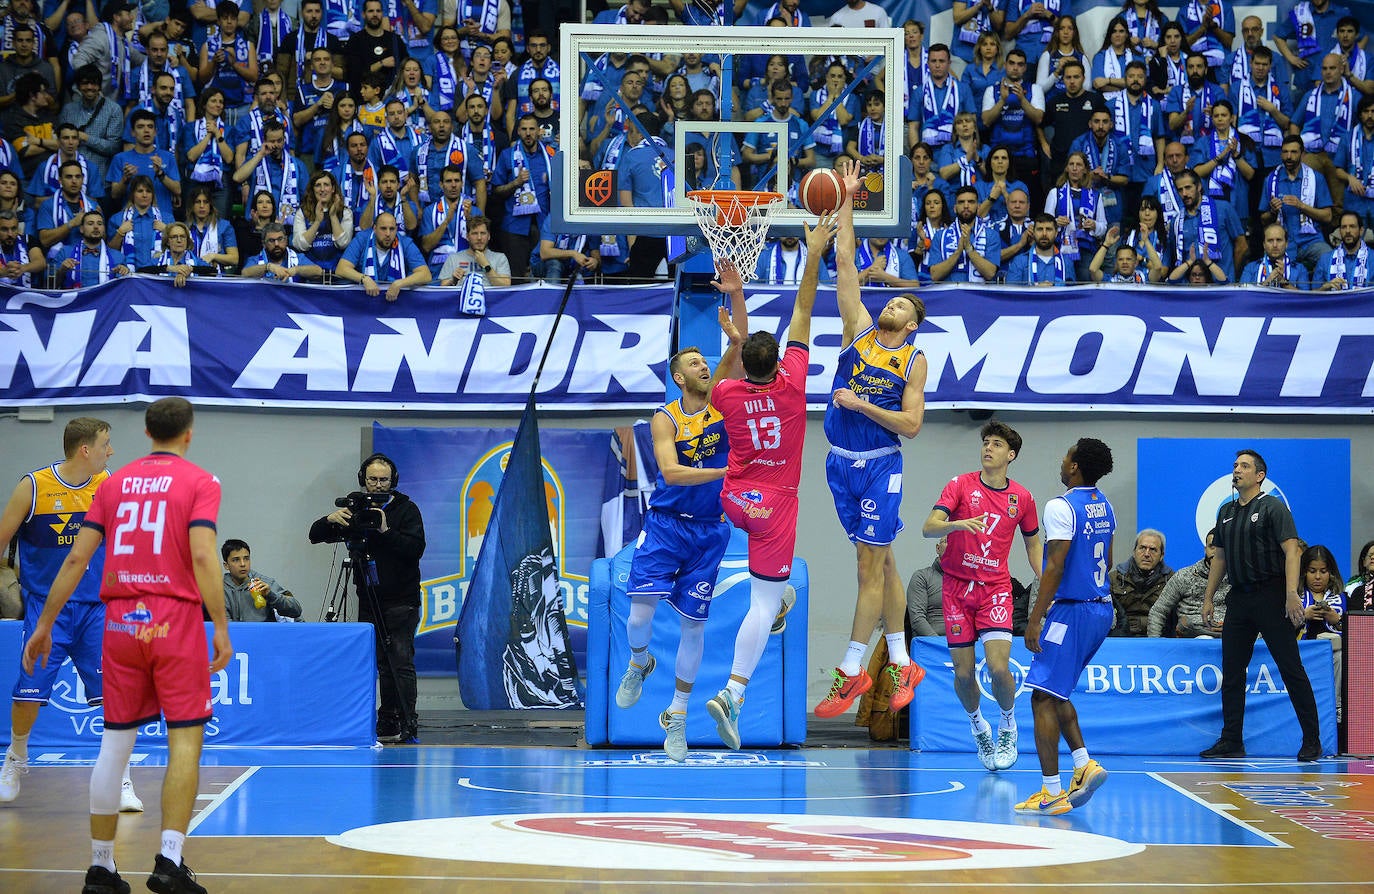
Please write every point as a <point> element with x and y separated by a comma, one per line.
<point>395,143</point>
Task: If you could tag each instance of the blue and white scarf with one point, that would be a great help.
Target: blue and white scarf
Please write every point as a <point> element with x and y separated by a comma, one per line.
<point>1207,233</point>
<point>53,181</point>
<point>453,155</point>
<point>1223,177</point>
<point>62,212</point>
<point>209,168</point>
<point>484,13</point>
<point>1037,265</point>
<point>386,267</point>
<point>978,239</point>
<point>20,256</point>
<point>872,137</point>
<point>1312,139</point>
<point>129,246</point>
<point>321,39</point>
<point>1304,27</point>
<point>1169,199</point>
<point>864,257</point>
<point>273,29</point>
<point>1307,194</point>
<point>120,74</point>
<point>937,128</point>
<point>289,195</point>
<point>445,82</point>
<point>1253,121</point>
<point>472,294</point>
<point>971,30</point>
<point>1266,269</point>
<point>1146,28</point>
<point>1075,234</point>
<point>78,253</point>
<point>1357,158</point>
<point>776,264</point>
<point>1360,277</point>
<point>549,71</point>
<point>456,236</point>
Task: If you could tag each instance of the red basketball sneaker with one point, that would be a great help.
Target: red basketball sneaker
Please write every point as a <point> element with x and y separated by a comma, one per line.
<point>843,692</point>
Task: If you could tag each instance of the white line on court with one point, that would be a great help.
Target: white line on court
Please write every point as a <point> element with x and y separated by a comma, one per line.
<point>1224,811</point>
<point>466,782</point>
<point>215,801</point>
<point>735,882</point>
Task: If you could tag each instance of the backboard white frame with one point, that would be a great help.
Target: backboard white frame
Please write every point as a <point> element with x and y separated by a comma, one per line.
<point>595,40</point>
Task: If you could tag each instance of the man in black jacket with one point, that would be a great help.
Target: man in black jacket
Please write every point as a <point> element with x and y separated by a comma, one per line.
<point>393,548</point>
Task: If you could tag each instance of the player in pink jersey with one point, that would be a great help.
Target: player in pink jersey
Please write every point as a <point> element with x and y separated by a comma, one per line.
<point>161,567</point>
<point>763,401</point>
<point>981,512</point>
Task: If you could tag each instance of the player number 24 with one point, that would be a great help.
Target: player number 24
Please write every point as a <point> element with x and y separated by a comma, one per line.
<point>766,432</point>
<point>128,516</point>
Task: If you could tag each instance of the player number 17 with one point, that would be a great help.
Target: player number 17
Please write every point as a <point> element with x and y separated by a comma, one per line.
<point>152,521</point>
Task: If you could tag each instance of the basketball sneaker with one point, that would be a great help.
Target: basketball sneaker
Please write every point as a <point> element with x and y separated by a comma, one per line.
<point>1086,780</point>
<point>905,679</point>
<point>129,801</point>
<point>14,767</point>
<point>632,684</point>
<point>986,752</point>
<point>100,880</point>
<point>724,710</point>
<point>675,743</point>
<point>789,599</point>
<point>1004,756</point>
<point>1042,803</point>
<point>843,692</point>
<point>169,878</point>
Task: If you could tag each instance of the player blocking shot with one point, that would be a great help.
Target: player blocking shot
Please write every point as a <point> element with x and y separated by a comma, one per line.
<point>761,393</point>
<point>1071,617</point>
<point>980,512</point>
<point>878,398</point>
<point>685,535</point>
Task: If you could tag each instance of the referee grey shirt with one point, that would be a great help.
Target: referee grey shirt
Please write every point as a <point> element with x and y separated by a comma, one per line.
<point>1252,537</point>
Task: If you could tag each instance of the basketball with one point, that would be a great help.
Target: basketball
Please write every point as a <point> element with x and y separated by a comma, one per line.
<point>821,191</point>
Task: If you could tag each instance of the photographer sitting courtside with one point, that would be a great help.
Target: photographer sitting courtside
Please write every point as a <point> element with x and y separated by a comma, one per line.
<point>386,542</point>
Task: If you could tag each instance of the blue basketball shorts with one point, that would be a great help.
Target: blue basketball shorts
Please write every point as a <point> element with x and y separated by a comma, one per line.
<point>1071,636</point>
<point>678,559</point>
<point>77,634</point>
<point>868,496</point>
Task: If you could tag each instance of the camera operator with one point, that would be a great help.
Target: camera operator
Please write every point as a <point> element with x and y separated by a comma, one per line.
<point>386,538</point>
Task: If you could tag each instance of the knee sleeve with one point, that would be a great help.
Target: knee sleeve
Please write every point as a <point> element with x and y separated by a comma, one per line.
<point>689,650</point>
<point>765,598</point>
<point>639,629</point>
<point>115,747</point>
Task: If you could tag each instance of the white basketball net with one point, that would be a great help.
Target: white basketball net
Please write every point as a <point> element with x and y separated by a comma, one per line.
<point>743,242</point>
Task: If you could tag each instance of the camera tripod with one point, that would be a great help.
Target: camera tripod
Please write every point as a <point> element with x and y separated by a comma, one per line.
<point>361,568</point>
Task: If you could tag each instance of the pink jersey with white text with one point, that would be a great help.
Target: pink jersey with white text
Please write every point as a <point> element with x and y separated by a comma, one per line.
<point>984,556</point>
<point>145,512</point>
<point>766,424</point>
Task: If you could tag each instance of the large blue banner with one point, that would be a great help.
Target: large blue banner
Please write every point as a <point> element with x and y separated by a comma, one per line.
<point>458,470</point>
<point>291,685</point>
<point>1138,696</point>
<point>1183,482</point>
<point>1150,349</point>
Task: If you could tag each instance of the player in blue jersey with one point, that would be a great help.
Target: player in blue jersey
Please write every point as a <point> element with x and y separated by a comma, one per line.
<point>46,509</point>
<point>1071,617</point>
<point>685,532</point>
<point>878,399</point>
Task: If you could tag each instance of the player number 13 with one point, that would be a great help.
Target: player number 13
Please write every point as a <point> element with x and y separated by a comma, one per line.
<point>152,520</point>
<point>766,432</point>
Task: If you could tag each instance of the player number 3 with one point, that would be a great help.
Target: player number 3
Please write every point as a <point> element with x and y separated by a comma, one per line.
<point>128,516</point>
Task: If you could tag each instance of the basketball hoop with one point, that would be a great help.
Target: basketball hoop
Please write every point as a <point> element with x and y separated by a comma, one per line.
<point>735,223</point>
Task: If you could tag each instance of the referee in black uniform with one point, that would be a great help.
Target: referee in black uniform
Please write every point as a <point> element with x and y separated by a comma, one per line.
<point>1257,545</point>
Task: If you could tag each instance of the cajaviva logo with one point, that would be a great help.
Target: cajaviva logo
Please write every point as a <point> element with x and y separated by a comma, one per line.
<point>735,842</point>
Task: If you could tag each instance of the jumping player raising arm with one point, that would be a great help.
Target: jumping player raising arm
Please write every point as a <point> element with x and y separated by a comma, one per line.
<point>878,398</point>
<point>765,420</point>
<point>678,559</point>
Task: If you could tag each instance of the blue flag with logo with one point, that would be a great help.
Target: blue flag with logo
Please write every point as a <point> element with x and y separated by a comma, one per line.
<point>512,636</point>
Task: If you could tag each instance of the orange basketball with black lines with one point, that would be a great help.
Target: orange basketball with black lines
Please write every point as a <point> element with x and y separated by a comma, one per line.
<point>821,191</point>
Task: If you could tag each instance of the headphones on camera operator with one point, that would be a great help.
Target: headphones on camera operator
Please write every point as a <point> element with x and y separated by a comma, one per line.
<point>378,458</point>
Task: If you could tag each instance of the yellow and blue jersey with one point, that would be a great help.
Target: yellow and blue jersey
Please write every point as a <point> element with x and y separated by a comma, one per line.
<point>48,533</point>
<point>877,374</point>
<point>700,441</point>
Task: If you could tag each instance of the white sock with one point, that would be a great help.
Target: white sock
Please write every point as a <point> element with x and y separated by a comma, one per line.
<point>1080,757</point>
<point>1052,784</point>
<point>979,724</point>
<point>126,778</point>
<point>736,689</point>
<point>679,705</point>
<point>172,841</point>
<point>896,649</point>
<point>102,854</point>
<point>19,745</point>
<point>1009,719</point>
<point>853,658</point>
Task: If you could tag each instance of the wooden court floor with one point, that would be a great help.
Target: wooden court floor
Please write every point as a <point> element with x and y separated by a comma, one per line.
<point>567,819</point>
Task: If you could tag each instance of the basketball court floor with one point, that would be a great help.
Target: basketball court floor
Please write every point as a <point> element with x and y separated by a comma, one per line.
<point>568,819</point>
